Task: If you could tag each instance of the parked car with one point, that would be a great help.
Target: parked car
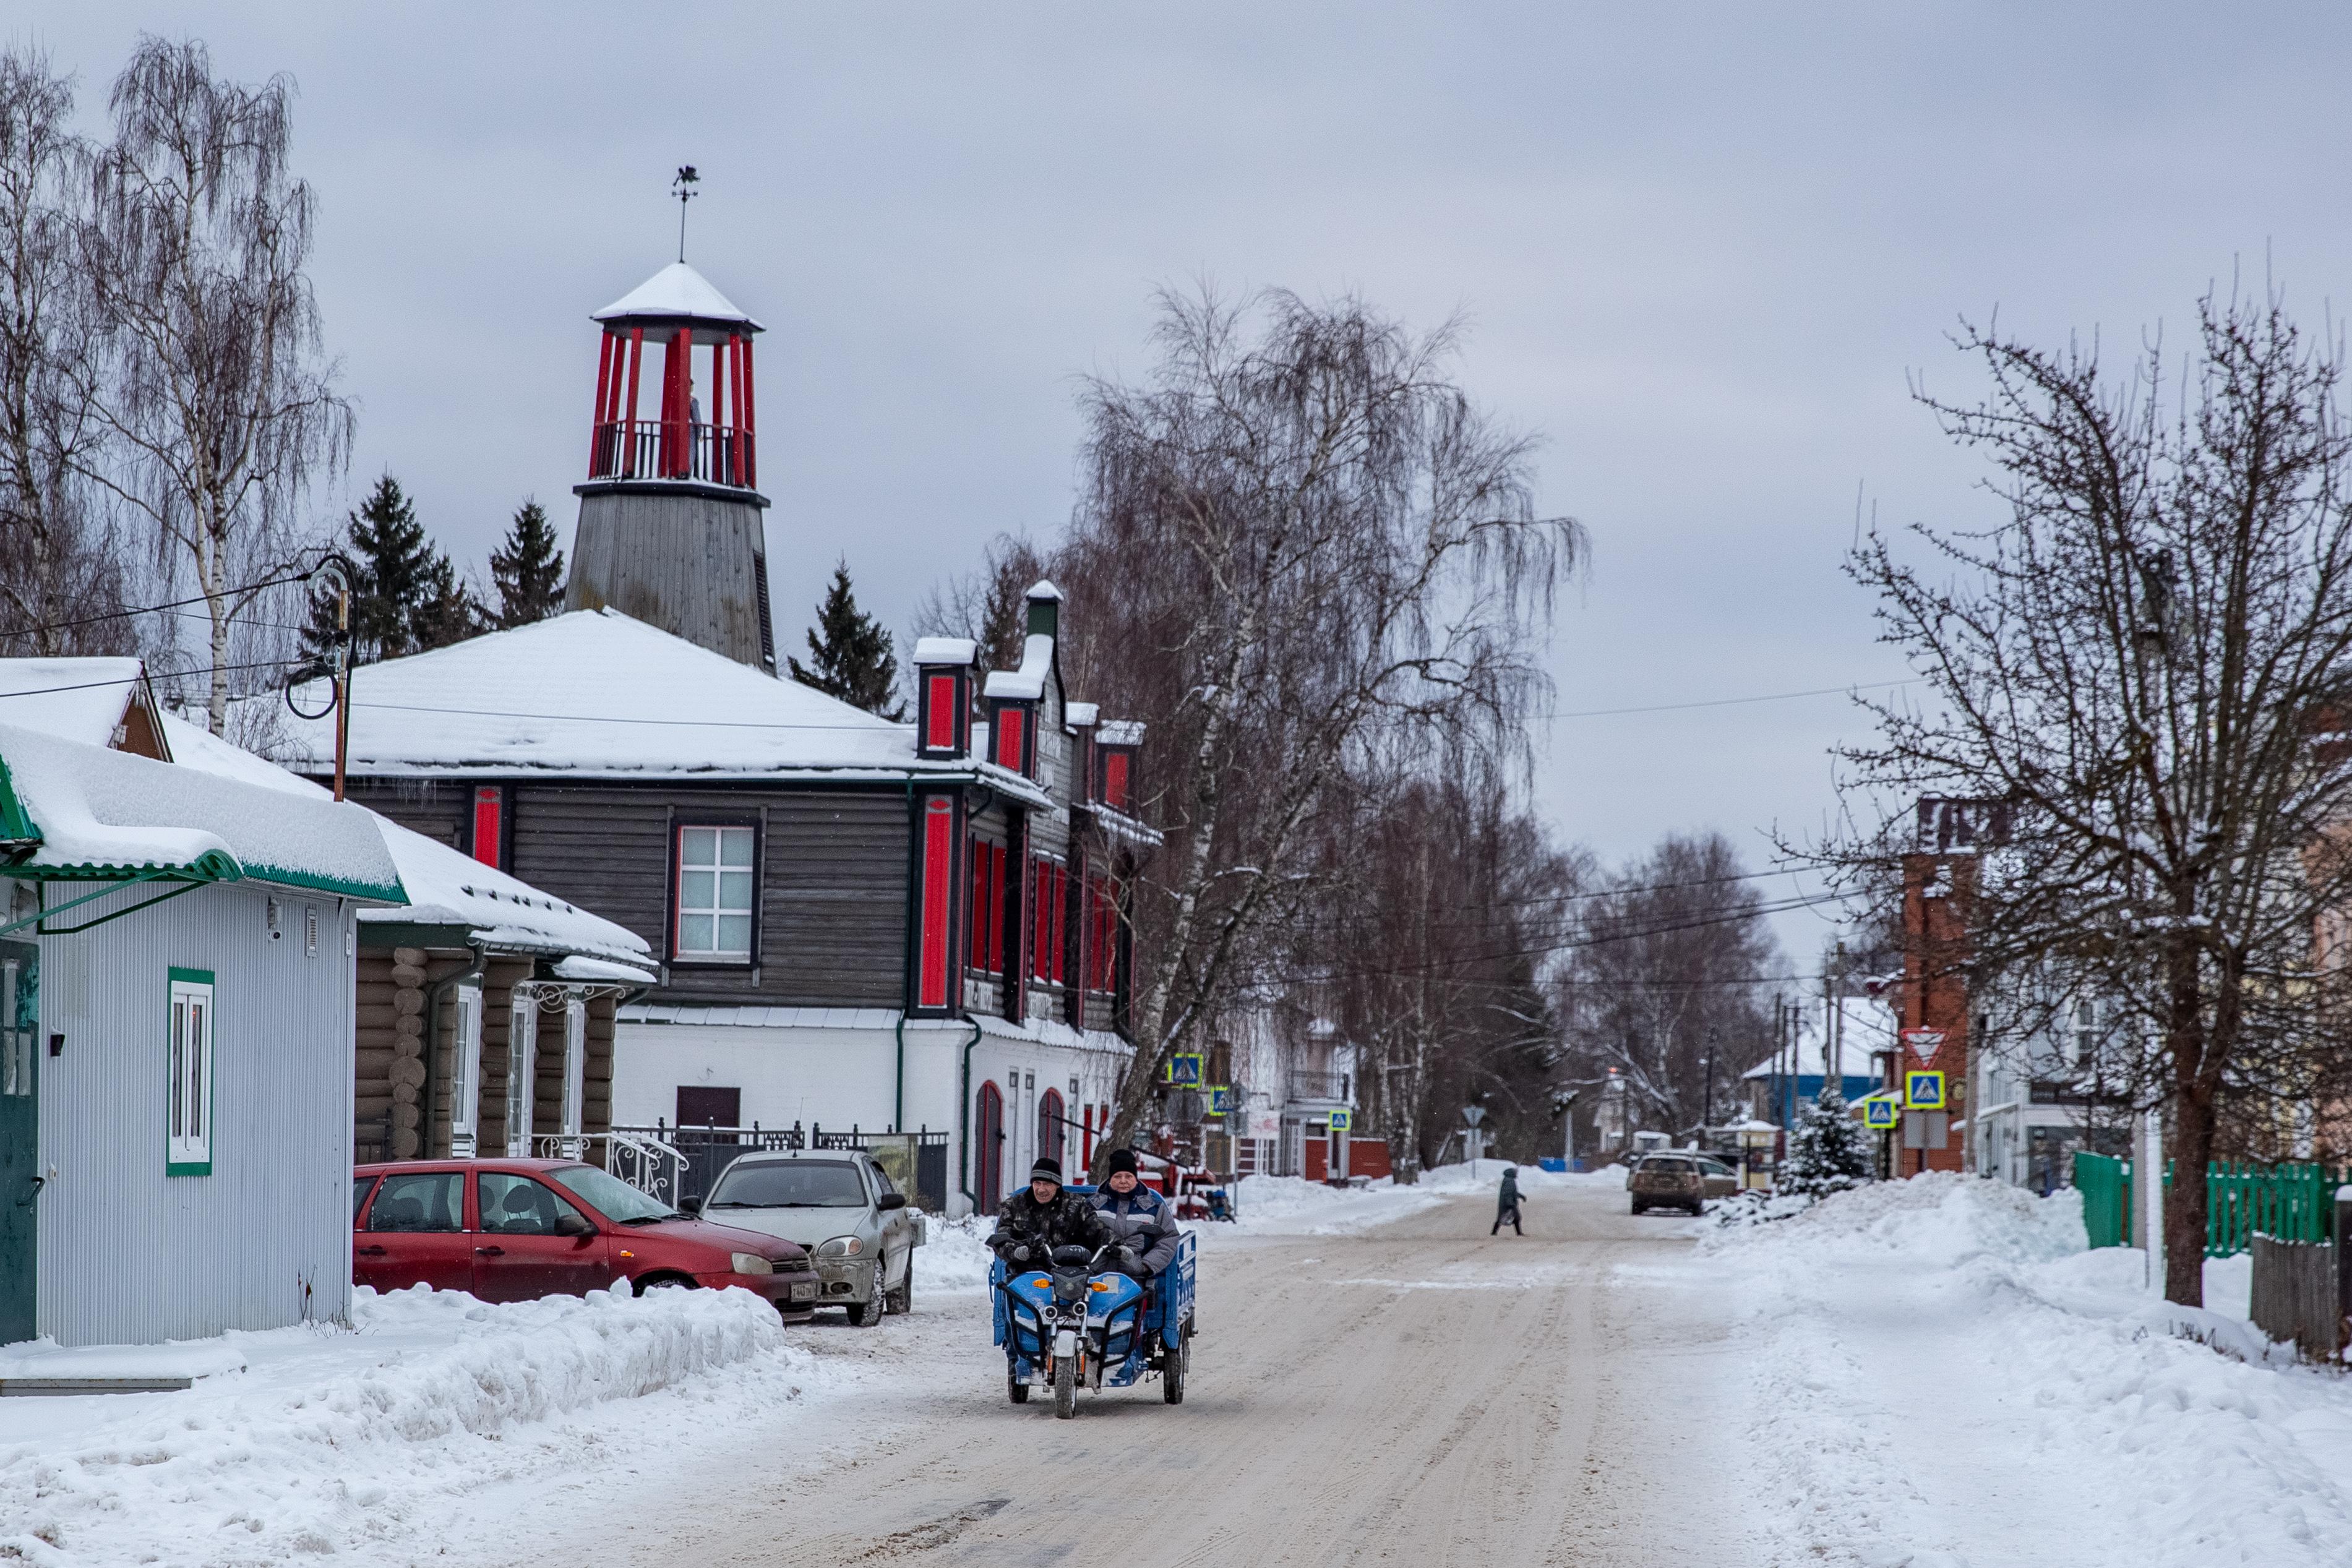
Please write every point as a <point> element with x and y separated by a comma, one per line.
<point>840,1204</point>
<point>510,1230</point>
<point>1722,1180</point>
<point>1668,1181</point>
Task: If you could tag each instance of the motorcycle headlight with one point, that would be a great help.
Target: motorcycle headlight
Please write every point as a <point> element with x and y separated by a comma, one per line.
<point>750,1263</point>
<point>840,1246</point>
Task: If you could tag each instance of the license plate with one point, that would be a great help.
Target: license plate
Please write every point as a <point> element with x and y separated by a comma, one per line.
<point>804,1290</point>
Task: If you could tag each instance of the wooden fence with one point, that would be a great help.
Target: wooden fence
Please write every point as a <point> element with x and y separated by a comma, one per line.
<point>2298,1296</point>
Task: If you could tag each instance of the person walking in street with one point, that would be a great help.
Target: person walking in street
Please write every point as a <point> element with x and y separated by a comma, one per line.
<point>1506,1203</point>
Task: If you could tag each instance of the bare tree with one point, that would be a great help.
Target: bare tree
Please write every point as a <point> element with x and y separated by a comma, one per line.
<point>2145,658</point>
<point>1300,548</point>
<point>1670,981</point>
<point>989,604</point>
<point>61,584</point>
<point>216,395</point>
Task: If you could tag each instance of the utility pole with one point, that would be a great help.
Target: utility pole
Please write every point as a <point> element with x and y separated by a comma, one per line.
<point>1706,1107</point>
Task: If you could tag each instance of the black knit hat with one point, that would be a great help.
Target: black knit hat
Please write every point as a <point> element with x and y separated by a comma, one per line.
<point>1121,1160</point>
<point>1046,1170</point>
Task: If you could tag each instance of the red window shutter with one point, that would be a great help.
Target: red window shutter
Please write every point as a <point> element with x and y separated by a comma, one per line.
<point>938,867</point>
<point>996,909</point>
<point>1038,941</point>
<point>1062,926</point>
<point>940,731</point>
<point>1008,739</point>
<point>489,825</point>
<point>975,920</point>
<point>1115,780</point>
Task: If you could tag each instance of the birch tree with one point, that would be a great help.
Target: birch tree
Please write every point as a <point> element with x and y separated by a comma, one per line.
<point>2145,656</point>
<point>216,395</point>
<point>1300,546</point>
<point>60,581</point>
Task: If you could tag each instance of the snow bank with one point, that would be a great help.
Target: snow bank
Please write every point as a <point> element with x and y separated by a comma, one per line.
<point>329,1438</point>
<point>1921,1347</point>
<point>952,1261</point>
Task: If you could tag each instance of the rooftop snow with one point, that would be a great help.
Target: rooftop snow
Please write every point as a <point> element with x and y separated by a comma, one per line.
<point>1029,680</point>
<point>1080,716</point>
<point>597,694</point>
<point>444,886</point>
<point>1122,732</point>
<point>1869,1028</point>
<point>676,290</point>
<point>1043,589</point>
<point>74,699</point>
<point>100,813</point>
<point>945,650</point>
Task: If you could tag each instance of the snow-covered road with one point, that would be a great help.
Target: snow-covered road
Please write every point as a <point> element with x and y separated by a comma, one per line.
<point>1930,1374</point>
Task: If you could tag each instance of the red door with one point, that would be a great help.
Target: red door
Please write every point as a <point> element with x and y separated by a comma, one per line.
<point>1051,1132</point>
<point>522,1251</point>
<point>414,1233</point>
<point>990,1148</point>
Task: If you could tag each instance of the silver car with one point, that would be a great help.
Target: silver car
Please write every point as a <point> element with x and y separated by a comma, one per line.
<point>840,1204</point>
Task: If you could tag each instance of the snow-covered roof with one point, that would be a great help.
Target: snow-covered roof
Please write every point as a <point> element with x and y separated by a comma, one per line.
<point>1043,589</point>
<point>445,887</point>
<point>1029,680</point>
<point>677,290</point>
<point>1120,825</point>
<point>1870,1027</point>
<point>597,694</point>
<point>77,811</point>
<point>82,699</point>
<point>1080,716</point>
<point>945,650</point>
<point>1122,732</point>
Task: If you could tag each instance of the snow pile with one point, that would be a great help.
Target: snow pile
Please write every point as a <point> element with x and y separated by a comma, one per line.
<point>1942,1374</point>
<point>951,1261</point>
<point>328,1439</point>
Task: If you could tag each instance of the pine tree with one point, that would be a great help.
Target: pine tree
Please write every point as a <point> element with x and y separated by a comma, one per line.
<point>527,570</point>
<point>1828,1151</point>
<point>849,653</point>
<point>407,596</point>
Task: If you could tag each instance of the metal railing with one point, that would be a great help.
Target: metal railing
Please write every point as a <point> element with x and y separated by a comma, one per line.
<point>697,1155</point>
<point>1309,1084</point>
<point>674,449</point>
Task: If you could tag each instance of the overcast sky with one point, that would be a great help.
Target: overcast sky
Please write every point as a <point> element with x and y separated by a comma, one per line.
<point>1701,249</point>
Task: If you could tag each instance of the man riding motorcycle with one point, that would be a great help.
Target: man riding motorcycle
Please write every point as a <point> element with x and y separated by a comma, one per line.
<point>1043,1216</point>
<point>1142,1221</point>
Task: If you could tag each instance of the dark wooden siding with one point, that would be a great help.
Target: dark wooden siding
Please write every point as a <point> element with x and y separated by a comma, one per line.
<point>433,807</point>
<point>834,864</point>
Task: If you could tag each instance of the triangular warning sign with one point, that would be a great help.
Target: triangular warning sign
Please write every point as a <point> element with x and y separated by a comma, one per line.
<point>1924,1043</point>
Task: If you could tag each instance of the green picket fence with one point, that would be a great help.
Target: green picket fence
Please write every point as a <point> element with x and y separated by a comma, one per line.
<point>2290,1202</point>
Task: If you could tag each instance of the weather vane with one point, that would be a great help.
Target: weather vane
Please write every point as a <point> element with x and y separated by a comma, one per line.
<point>683,189</point>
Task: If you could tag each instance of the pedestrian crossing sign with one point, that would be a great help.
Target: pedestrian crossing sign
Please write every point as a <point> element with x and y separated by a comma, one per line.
<point>1923,1091</point>
<point>1184,1070</point>
<point>1880,1111</point>
<point>1221,1099</point>
<point>1341,1121</point>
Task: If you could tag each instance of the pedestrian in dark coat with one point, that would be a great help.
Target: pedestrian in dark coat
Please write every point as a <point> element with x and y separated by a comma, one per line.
<point>1506,1203</point>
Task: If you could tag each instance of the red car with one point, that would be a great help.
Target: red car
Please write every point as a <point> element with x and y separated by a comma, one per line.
<point>509,1230</point>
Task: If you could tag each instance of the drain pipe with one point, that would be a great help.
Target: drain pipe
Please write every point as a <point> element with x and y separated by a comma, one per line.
<point>963,1125</point>
<point>899,1101</point>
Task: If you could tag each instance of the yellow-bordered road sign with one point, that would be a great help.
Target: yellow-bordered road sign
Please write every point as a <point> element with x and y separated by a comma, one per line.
<point>1880,1111</point>
<point>1342,1121</point>
<point>1923,1091</point>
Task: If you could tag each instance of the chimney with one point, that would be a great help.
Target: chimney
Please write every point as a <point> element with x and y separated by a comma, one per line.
<point>944,668</point>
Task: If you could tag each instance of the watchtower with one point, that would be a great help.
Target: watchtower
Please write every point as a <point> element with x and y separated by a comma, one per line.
<point>670,527</point>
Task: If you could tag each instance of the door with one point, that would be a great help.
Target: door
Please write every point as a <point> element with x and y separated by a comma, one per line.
<point>533,1242</point>
<point>20,1134</point>
<point>1053,1133</point>
<point>988,1152</point>
<point>414,1233</point>
<point>896,1225</point>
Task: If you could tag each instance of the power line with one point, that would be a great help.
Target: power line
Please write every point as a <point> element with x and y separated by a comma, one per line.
<point>615,719</point>
<point>1732,702</point>
<point>131,680</point>
<point>249,588</point>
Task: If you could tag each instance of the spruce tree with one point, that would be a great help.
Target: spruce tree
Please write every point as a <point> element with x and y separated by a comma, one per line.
<point>527,570</point>
<point>849,653</point>
<point>1828,1150</point>
<point>406,598</point>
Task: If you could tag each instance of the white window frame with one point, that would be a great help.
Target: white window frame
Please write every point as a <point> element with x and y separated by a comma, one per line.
<point>522,1072</point>
<point>466,1070</point>
<point>575,1075</point>
<point>16,1044</point>
<point>191,1027</point>
<point>717,908</point>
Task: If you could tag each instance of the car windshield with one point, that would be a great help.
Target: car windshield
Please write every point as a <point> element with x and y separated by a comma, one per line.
<point>789,1183</point>
<point>610,1196</point>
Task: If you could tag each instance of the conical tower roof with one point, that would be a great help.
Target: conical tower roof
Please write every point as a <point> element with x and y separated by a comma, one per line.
<point>677,293</point>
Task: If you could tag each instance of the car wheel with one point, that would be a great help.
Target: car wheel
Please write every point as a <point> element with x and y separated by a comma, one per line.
<point>865,1314</point>
<point>902,1300</point>
<point>1638,1207</point>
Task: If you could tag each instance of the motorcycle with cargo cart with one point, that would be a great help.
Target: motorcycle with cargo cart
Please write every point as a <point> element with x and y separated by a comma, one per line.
<point>1068,1325</point>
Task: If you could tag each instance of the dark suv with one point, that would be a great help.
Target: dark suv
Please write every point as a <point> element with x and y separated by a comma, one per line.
<point>1668,1181</point>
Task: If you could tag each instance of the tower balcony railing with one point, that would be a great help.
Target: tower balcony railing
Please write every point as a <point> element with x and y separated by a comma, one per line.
<point>674,449</point>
